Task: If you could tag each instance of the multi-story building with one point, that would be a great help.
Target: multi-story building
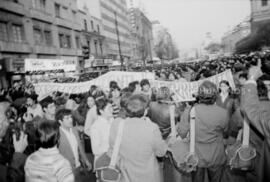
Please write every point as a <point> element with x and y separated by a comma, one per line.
<point>92,37</point>
<point>115,22</point>
<point>233,36</point>
<point>141,31</point>
<point>260,28</point>
<point>41,29</point>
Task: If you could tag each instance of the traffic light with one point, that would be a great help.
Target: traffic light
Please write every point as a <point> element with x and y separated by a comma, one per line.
<point>86,52</point>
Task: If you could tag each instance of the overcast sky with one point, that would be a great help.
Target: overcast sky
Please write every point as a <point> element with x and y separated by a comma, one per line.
<point>190,20</point>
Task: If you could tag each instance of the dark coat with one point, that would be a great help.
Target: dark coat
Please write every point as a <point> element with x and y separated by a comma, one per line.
<point>258,114</point>
<point>159,113</point>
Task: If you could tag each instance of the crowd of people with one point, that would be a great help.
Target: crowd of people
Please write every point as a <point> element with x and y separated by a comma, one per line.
<point>61,137</point>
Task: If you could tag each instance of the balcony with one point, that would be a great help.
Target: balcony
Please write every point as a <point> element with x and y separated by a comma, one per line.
<point>14,47</point>
<point>69,52</point>
<point>64,22</point>
<point>45,50</point>
<point>13,7</point>
<point>261,15</point>
<point>41,15</point>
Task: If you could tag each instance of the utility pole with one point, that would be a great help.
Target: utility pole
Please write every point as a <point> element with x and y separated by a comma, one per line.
<point>118,41</point>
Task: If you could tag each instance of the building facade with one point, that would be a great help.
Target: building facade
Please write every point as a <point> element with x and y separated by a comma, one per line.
<point>41,29</point>
<point>116,27</point>
<point>260,28</point>
<point>92,37</point>
<point>233,36</point>
<point>142,33</point>
<point>47,29</point>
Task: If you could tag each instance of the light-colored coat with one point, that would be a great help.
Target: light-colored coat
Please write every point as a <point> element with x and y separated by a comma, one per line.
<point>141,144</point>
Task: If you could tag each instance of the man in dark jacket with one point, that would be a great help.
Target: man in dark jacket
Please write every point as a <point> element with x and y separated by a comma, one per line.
<point>12,170</point>
<point>259,116</point>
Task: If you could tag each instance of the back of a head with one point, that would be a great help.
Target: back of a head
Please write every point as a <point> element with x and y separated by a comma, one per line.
<point>262,90</point>
<point>46,101</point>
<point>207,93</point>
<point>164,94</point>
<point>137,105</point>
<point>48,133</point>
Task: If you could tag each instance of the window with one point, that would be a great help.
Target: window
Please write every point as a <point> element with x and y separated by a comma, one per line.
<point>65,12</point>
<point>34,4</point>
<point>68,41</point>
<point>57,9</point>
<point>64,41</point>
<point>92,24</point>
<point>78,43</point>
<point>3,31</point>
<point>95,46</point>
<point>43,5</point>
<point>74,15</point>
<point>39,4</point>
<point>101,49</point>
<point>17,33</point>
<point>48,37</point>
<point>38,36</point>
<point>98,29</point>
<point>264,2</point>
<point>89,46</point>
<point>85,25</point>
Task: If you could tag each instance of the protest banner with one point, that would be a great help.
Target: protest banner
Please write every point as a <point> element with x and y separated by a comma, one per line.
<point>103,81</point>
<point>184,90</point>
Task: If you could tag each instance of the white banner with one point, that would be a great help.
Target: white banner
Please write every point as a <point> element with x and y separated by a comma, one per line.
<point>185,90</point>
<point>49,64</point>
<point>122,78</point>
<point>182,90</point>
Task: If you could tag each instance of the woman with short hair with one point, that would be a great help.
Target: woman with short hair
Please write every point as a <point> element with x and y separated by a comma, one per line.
<point>211,124</point>
<point>141,144</point>
<point>47,164</point>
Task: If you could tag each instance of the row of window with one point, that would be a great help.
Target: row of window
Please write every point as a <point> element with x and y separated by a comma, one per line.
<point>41,37</point>
<point>92,26</point>
<point>15,35</point>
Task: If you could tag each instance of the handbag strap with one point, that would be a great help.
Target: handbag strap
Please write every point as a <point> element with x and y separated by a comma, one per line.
<point>246,130</point>
<point>117,143</point>
<point>192,130</point>
<point>172,120</point>
<point>192,126</point>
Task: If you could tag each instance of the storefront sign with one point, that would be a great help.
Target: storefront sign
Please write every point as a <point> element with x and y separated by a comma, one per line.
<point>49,64</point>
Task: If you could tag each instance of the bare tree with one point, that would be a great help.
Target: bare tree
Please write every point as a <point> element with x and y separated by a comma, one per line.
<point>143,50</point>
<point>165,48</point>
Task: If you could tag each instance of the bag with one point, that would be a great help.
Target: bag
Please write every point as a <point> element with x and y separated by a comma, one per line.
<point>105,166</point>
<point>240,156</point>
<point>183,154</point>
<point>87,143</point>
